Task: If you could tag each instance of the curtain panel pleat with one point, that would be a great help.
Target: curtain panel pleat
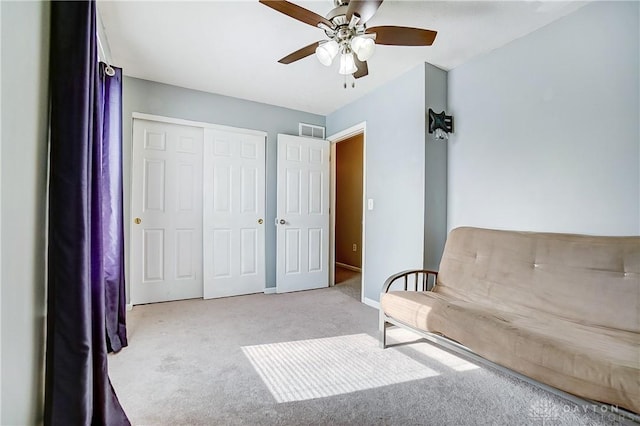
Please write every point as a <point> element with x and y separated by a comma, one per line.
<point>109,137</point>
<point>77,387</point>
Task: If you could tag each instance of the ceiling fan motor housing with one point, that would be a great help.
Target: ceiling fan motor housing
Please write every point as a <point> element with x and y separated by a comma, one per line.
<point>338,15</point>
<point>342,32</point>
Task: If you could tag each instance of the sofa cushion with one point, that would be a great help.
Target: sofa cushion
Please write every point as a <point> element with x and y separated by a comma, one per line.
<point>583,279</point>
<point>589,361</point>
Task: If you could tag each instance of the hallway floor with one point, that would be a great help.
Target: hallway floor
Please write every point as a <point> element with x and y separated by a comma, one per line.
<point>349,282</point>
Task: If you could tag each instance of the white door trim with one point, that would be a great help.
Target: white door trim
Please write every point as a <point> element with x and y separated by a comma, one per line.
<point>204,125</point>
<point>333,139</point>
<point>347,133</point>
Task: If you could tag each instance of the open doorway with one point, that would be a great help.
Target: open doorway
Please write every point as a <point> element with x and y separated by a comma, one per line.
<point>347,211</point>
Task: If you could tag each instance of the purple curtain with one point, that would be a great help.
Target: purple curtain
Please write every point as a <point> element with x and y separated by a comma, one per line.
<point>85,302</point>
<point>108,186</point>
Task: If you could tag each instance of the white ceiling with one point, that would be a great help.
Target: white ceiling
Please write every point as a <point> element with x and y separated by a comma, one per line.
<point>232,47</point>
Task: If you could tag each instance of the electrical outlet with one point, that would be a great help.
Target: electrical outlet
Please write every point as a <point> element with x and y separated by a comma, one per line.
<point>355,247</point>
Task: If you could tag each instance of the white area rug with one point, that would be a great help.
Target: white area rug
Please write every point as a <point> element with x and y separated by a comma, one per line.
<point>316,368</point>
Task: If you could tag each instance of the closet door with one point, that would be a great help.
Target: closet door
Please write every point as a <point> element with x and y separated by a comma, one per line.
<point>234,211</point>
<point>166,210</point>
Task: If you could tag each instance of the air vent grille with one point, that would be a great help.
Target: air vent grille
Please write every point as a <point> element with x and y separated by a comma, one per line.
<point>311,131</point>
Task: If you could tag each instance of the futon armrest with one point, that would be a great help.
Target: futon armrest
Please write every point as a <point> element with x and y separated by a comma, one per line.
<point>420,279</point>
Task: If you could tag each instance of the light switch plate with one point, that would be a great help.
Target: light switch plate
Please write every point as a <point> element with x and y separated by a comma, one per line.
<point>370,204</point>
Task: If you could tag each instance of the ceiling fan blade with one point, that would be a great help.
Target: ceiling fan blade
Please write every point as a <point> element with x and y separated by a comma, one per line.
<point>300,53</point>
<point>402,36</point>
<point>365,9</point>
<point>363,69</point>
<point>297,12</point>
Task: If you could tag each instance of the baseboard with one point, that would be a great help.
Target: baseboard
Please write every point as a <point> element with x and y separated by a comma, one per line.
<point>349,267</point>
<point>371,302</point>
<point>269,290</point>
<point>129,306</point>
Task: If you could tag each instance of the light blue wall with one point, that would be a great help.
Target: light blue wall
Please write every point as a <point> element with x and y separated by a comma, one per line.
<point>394,167</point>
<point>177,102</point>
<point>547,134</point>
<point>25,59</point>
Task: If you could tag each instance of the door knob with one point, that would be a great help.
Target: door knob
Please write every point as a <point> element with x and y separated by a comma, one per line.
<point>260,221</point>
<point>137,221</point>
<point>282,222</point>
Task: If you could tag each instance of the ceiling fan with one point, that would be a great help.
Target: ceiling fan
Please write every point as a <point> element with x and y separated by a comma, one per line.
<point>345,26</point>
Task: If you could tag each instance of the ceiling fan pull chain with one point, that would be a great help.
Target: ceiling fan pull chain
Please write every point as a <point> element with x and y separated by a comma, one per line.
<point>353,82</point>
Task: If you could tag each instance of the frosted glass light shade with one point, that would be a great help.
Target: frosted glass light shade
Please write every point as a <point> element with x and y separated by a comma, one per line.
<point>347,64</point>
<point>326,52</point>
<point>363,47</point>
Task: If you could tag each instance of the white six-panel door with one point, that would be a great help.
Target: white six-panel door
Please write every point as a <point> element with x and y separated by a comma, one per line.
<point>166,206</point>
<point>234,211</point>
<point>302,219</point>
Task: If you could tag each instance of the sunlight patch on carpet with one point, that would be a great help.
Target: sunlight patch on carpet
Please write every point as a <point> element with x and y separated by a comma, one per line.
<point>443,357</point>
<point>318,368</point>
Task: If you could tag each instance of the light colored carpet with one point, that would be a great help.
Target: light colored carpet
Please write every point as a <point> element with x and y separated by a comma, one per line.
<point>309,358</point>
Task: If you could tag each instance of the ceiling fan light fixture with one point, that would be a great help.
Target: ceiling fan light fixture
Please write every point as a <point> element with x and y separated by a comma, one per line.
<point>326,52</point>
<point>347,64</point>
<point>363,47</point>
<point>348,34</point>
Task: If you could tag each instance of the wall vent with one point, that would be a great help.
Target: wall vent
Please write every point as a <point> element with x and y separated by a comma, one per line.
<point>311,131</point>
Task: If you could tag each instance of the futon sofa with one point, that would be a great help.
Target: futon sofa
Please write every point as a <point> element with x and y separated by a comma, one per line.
<point>561,309</point>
